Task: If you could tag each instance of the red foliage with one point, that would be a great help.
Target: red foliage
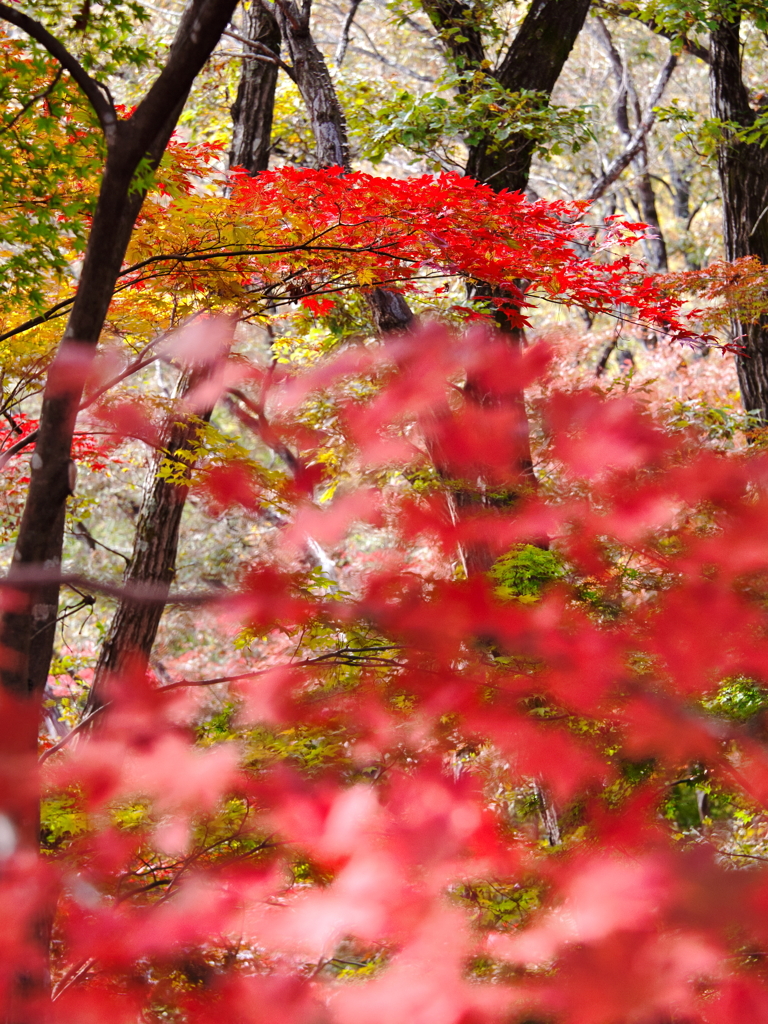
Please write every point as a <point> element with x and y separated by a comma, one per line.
<point>492,839</point>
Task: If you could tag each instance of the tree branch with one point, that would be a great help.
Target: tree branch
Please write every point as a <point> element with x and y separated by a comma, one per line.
<point>98,95</point>
<point>30,578</point>
<point>32,100</point>
<point>200,29</point>
<point>341,49</point>
<point>638,136</point>
<point>264,51</point>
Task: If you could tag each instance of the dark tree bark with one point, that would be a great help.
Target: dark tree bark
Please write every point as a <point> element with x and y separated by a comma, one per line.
<point>533,61</point>
<point>391,313</point>
<point>314,82</point>
<point>144,134</point>
<point>743,169</point>
<point>254,106</point>
<point>134,625</point>
<point>27,630</point>
<point>389,309</point>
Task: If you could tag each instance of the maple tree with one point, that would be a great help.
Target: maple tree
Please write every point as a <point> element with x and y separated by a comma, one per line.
<point>405,871</point>
<point>527,787</point>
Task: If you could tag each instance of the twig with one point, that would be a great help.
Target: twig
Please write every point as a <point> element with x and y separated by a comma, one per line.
<point>341,49</point>
<point>269,55</point>
<point>97,94</point>
<point>32,100</point>
<point>637,139</point>
<point>70,735</point>
<point>72,975</point>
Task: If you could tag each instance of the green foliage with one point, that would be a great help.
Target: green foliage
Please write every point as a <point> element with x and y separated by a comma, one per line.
<point>501,906</point>
<point>104,41</point>
<point>680,18</point>
<point>308,748</point>
<point>50,157</point>
<point>522,573</point>
<point>470,106</point>
<point>738,699</point>
<point>694,801</point>
<point>61,820</point>
<point>176,466</point>
<point>721,424</point>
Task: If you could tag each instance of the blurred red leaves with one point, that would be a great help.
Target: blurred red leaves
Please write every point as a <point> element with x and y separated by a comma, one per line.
<point>200,882</point>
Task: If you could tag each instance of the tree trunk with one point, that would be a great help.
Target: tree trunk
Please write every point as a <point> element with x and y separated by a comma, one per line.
<point>743,171</point>
<point>254,106</point>
<point>389,309</point>
<point>391,313</point>
<point>314,82</point>
<point>654,244</point>
<point>680,184</point>
<point>144,135</point>
<point>134,625</point>
<point>533,62</point>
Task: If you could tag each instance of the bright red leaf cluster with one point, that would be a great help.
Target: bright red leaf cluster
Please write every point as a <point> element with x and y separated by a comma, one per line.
<point>297,233</point>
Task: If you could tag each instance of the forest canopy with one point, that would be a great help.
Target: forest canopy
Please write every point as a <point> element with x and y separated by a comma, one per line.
<point>384,602</point>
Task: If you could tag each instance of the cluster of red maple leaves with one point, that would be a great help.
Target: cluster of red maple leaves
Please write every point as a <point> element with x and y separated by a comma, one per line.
<point>492,842</point>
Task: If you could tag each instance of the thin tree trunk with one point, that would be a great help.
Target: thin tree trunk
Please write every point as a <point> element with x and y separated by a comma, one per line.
<point>743,169</point>
<point>254,106</point>
<point>314,82</point>
<point>680,185</point>
<point>655,246</point>
<point>389,309</point>
<point>654,243</point>
<point>28,623</point>
<point>134,625</point>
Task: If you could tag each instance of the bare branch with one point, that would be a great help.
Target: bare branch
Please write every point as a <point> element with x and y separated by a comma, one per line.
<point>70,735</point>
<point>17,447</point>
<point>341,49</point>
<point>638,137</point>
<point>29,578</point>
<point>264,51</point>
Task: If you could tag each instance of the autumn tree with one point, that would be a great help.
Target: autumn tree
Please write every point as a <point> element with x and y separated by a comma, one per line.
<point>514,786</point>
<point>132,143</point>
